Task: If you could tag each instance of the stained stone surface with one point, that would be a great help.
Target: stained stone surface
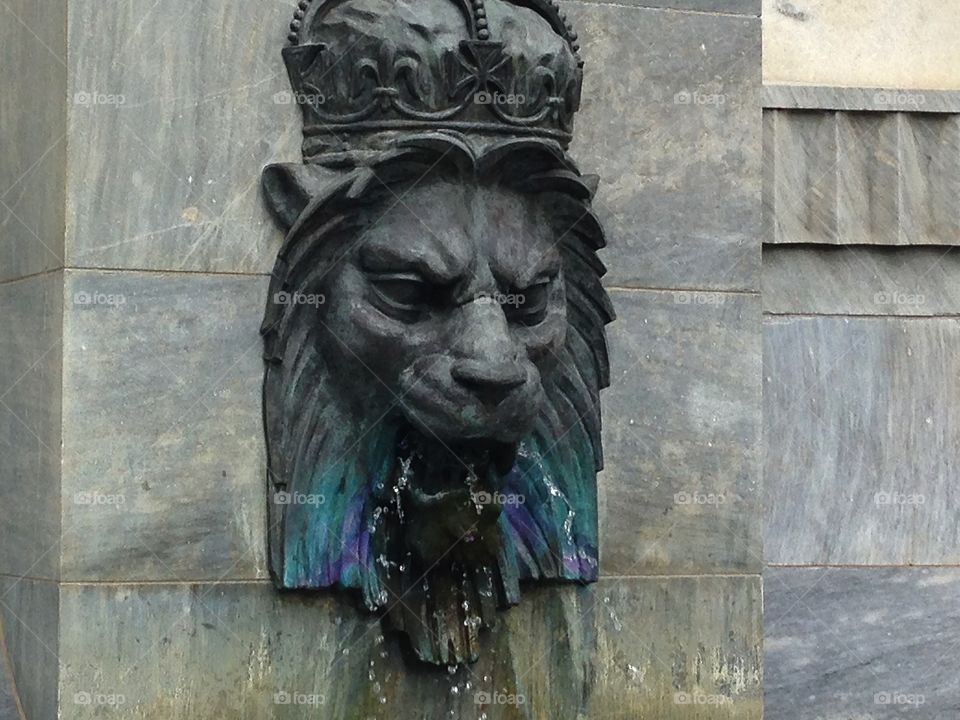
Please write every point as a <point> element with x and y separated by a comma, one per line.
<point>163,461</point>
<point>661,649</point>
<point>32,90</point>
<point>30,425</point>
<point>733,7</point>
<point>671,123</point>
<point>680,490</point>
<point>861,280</point>
<point>29,611</point>
<point>861,439</point>
<point>873,643</point>
<point>165,157</point>
<point>861,178</point>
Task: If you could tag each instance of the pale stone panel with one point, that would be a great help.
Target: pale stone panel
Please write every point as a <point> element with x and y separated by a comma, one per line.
<point>881,43</point>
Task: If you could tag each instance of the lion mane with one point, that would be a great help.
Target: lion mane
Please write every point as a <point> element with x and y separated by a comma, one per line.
<point>350,535</point>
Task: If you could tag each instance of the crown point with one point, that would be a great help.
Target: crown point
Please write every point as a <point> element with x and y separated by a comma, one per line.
<point>572,36</point>
<point>304,4</point>
<point>483,34</point>
<point>293,38</point>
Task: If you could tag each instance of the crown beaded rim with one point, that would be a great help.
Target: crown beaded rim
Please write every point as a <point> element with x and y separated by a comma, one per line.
<point>502,67</point>
<point>550,10</point>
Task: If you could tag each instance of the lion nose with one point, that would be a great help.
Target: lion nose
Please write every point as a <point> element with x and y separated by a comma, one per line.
<point>490,382</point>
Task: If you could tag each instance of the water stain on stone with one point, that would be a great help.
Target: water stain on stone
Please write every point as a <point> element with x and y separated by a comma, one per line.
<point>792,11</point>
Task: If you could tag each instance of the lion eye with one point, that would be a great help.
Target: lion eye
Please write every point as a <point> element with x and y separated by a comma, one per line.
<point>405,293</point>
<point>530,306</point>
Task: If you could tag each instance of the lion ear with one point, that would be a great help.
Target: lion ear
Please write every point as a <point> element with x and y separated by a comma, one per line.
<point>289,187</point>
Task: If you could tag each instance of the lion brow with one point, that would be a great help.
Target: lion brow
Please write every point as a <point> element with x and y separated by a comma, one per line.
<point>435,268</point>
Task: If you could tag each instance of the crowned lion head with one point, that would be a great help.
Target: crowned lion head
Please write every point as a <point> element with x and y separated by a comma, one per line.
<point>435,350</point>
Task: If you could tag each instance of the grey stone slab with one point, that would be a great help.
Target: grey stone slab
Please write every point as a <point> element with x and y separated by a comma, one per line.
<point>30,346</point>
<point>861,440</point>
<point>820,97</point>
<point>930,179</point>
<point>165,157</point>
<point>915,281</point>
<point>868,178</point>
<point>732,7</point>
<point>671,122</point>
<point>33,118</point>
<point>680,492</point>
<point>641,648</point>
<point>29,619</point>
<point>854,178</point>
<point>875,643</point>
<point>163,458</point>
<point>801,148</point>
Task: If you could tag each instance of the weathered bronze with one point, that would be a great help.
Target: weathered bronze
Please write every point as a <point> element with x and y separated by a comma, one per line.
<point>435,327</point>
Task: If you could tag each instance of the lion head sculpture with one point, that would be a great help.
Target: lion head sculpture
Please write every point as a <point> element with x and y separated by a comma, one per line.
<point>435,350</point>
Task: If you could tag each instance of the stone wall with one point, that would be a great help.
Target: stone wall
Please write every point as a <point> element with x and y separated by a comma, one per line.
<point>861,388</point>
<point>133,513</point>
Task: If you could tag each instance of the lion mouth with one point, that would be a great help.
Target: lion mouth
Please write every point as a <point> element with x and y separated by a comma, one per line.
<point>454,489</point>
